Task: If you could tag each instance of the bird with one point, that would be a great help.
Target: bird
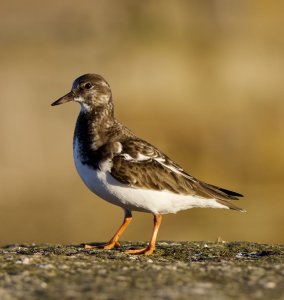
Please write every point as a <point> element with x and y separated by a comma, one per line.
<point>126,170</point>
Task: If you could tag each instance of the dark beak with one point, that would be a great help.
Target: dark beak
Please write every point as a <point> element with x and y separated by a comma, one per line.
<point>68,97</point>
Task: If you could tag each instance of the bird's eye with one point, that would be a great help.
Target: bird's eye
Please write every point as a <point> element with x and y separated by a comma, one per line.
<point>88,86</point>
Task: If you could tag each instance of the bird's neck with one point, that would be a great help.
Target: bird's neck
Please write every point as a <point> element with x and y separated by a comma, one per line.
<point>95,127</point>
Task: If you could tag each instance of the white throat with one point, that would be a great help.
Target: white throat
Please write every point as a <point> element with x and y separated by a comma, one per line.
<point>84,106</point>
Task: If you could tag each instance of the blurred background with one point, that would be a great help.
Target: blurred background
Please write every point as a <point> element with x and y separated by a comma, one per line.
<point>202,80</point>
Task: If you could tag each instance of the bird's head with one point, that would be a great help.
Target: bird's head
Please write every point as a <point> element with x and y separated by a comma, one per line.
<point>92,92</point>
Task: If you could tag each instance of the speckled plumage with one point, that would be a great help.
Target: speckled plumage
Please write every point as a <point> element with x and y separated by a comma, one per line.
<point>119,166</point>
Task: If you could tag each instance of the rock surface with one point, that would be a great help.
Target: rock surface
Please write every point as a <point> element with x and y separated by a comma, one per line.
<point>181,270</point>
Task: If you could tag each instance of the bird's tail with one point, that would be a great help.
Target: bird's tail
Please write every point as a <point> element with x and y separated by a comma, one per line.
<point>230,205</point>
<point>223,196</point>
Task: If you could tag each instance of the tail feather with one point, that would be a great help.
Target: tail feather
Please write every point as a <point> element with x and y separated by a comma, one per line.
<point>229,193</point>
<point>230,205</point>
<point>222,196</point>
<point>220,193</point>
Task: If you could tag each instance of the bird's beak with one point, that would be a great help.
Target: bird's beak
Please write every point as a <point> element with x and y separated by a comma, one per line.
<point>66,98</point>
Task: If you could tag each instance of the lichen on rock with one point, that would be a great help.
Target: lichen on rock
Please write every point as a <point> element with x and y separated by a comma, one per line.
<point>177,270</point>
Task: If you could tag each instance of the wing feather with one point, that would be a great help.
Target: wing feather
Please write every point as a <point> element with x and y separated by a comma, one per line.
<point>141,165</point>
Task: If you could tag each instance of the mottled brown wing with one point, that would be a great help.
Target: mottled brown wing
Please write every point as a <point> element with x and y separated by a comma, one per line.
<point>141,165</point>
<point>149,174</point>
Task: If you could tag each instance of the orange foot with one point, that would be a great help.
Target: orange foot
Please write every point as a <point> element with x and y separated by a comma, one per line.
<point>109,245</point>
<point>147,251</point>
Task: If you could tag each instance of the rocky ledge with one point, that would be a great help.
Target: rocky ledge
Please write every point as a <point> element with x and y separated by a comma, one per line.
<point>177,270</point>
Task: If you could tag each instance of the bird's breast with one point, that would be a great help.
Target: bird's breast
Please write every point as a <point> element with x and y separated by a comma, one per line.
<point>91,174</point>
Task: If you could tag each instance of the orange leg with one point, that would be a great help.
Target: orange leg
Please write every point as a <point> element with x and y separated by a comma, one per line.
<point>151,247</point>
<point>114,240</point>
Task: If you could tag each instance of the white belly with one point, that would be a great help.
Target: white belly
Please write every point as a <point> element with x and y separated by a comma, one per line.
<point>108,188</point>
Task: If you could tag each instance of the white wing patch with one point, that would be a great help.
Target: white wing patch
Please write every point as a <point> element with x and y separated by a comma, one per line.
<point>127,157</point>
<point>161,160</point>
<point>174,168</point>
<point>142,157</point>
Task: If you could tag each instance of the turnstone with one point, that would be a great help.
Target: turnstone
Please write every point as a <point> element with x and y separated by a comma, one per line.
<point>127,171</point>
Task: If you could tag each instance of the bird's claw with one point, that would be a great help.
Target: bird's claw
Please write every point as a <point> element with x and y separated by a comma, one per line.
<point>107,246</point>
<point>147,251</point>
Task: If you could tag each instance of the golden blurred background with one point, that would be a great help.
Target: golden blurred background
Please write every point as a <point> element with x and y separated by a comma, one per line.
<point>202,80</point>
